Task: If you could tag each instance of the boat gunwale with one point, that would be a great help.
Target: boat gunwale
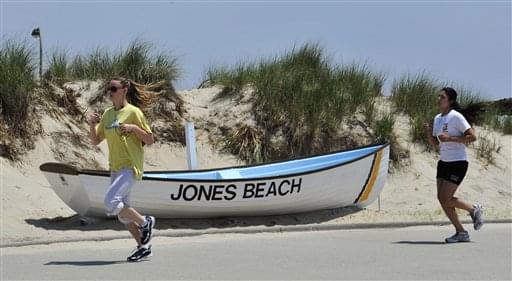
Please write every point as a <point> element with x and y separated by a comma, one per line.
<point>105,173</point>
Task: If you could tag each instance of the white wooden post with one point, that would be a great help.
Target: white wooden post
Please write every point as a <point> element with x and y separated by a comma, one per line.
<point>190,138</point>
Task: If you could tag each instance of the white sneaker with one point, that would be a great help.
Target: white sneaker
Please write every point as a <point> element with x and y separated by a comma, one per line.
<point>476,216</point>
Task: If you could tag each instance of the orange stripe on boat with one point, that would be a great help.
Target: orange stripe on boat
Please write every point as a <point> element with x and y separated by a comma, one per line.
<point>373,177</point>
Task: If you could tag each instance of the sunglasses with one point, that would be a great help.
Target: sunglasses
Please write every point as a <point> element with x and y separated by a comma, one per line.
<point>112,89</point>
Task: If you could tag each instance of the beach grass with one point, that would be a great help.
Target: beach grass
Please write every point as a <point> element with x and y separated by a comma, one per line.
<point>301,94</point>
<point>417,96</point>
<point>507,125</point>
<point>487,148</point>
<point>57,70</point>
<point>139,62</point>
<point>98,64</point>
<point>17,83</point>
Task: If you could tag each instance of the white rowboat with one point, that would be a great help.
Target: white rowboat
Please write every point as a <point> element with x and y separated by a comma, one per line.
<point>338,179</point>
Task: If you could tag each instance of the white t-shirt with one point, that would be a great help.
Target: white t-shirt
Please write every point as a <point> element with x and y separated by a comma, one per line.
<point>455,125</point>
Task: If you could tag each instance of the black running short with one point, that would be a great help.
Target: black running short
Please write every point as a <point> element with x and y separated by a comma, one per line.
<point>452,171</point>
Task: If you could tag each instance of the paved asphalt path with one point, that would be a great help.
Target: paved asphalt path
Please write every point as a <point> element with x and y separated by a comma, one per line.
<point>401,253</point>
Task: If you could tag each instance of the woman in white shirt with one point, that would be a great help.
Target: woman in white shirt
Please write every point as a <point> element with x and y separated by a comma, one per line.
<point>451,132</point>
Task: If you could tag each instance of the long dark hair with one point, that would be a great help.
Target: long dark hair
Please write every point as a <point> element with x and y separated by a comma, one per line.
<point>452,99</point>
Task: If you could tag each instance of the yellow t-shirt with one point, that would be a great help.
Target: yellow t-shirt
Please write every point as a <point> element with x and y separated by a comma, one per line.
<point>125,151</point>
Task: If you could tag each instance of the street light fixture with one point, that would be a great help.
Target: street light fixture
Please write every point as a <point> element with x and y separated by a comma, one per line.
<point>36,33</point>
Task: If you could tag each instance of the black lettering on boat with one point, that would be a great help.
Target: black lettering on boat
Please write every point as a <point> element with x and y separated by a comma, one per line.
<point>249,190</point>
<point>272,189</point>
<point>296,185</point>
<point>232,193</point>
<point>203,191</point>
<point>260,190</point>
<point>281,186</point>
<point>217,190</point>
<point>192,194</point>
<point>177,196</point>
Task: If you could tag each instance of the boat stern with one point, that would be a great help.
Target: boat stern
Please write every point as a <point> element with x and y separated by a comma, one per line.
<point>376,179</point>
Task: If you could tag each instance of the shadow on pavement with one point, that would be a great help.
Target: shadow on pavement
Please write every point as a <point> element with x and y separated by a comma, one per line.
<point>421,242</point>
<point>84,263</point>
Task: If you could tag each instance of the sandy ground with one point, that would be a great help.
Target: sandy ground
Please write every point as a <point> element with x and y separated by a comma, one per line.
<point>31,211</point>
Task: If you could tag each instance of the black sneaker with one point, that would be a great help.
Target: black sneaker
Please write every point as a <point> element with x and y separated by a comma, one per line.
<point>459,236</point>
<point>146,232</point>
<point>139,253</point>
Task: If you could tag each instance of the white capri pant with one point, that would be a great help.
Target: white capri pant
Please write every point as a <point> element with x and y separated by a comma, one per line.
<point>118,194</point>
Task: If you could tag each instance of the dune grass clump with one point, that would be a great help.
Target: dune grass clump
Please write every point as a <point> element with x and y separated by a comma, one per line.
<point>383,129</point>
<point>16,85</point>
<point>138,62</point>
<point>487,148</point>
<point>99,64</point>
<point>18,125</point>
<point>300,94</point>
<point>417,96</point>
<point>233,80</point>
<point>57,71</point>
<point>496,121</point>
<point>20,91</point>
<point>507,125</point>
<point>245,141</point>
<point>491,119</point>
<point>383,132</point>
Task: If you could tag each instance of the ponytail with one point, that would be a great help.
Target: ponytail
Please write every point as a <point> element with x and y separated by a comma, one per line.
<point>452,99</point>
<point>456,106</point>
<point>136,94</point>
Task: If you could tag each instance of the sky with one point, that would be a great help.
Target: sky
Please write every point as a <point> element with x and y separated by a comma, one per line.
<point>461,42</point>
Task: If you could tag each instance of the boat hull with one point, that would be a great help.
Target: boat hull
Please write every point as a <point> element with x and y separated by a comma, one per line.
<point>356,183</point>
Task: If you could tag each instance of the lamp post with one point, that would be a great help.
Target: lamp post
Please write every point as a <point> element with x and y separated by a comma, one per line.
<point>36,33</point>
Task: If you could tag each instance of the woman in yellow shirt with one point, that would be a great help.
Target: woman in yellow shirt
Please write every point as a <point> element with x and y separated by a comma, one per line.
<point>124,127</point>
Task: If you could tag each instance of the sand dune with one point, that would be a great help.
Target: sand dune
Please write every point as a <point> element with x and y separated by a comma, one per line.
<point>31,211</point>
